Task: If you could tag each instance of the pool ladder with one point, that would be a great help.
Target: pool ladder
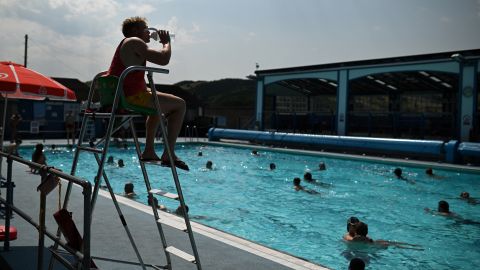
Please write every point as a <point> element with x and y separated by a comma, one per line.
<point>101,155</point>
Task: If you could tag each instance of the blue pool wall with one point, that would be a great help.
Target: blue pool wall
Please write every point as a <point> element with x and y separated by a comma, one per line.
<point>450,151</point>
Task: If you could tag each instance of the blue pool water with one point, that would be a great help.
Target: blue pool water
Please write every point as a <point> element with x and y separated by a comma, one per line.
<point>243,197</point>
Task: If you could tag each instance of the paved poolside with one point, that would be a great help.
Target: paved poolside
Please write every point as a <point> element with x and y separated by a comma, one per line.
<point>217,250</point>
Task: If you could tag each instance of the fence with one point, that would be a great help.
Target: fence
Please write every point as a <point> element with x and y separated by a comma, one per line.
<point>84,255</point>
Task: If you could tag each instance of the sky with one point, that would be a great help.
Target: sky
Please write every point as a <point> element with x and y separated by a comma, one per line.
<point>216,39</point>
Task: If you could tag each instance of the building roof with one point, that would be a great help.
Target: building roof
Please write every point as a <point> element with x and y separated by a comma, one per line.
<point>383,83</point>
<point>81,89</point>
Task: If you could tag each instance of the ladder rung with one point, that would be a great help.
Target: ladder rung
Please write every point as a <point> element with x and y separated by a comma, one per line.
<point>153,162</point>
<point>108,115</point>
<point>164,194</point>
<point>176,225</point>
<point>90,149</point>
<point>182,254</point>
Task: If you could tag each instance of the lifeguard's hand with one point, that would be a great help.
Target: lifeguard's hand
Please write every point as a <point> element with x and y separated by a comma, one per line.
<point>164,36</point>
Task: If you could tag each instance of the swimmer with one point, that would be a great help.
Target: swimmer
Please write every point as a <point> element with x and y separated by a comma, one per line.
<point>361,235</point>
<point>398,174</point>
<point>298,187</point>
<point>443,209</point>
<point>255,153</point>
<point>128,189</point>
<point>110,160</point>
<point>465,196</point>
<point>351,228</point>
<point>273,166</point>
<point>200,154</point>
<point>179,210</point>
<point>429,172</point>
<point>155,202</point>
<point>120,163</point>
<point>308,178</point>
<point>361,231</point>
<point>209,165</point>
<point>321,166</point>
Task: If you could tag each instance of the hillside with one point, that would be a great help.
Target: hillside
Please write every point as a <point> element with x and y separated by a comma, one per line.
<point>223,93</point>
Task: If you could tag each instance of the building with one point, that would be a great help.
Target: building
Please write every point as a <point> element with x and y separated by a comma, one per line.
<point>431,96</point>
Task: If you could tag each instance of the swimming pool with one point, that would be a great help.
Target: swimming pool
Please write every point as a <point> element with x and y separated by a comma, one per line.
<point>243,197</point>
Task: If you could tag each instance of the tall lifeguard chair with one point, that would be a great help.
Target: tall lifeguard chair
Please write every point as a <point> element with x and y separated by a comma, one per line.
<point>115,107</point>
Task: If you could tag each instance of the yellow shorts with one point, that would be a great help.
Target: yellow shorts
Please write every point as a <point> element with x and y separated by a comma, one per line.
<point>143,99</point>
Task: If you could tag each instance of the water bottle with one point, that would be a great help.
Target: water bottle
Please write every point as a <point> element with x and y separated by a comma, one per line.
<point>155,36</point>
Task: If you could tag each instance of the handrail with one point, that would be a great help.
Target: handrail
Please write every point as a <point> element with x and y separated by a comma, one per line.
<point>84,256</point>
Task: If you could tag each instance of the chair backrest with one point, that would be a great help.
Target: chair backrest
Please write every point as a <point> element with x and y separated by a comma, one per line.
<point>106,87</point>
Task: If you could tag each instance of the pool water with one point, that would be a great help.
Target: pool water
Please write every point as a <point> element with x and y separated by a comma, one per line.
<point>243,197</point>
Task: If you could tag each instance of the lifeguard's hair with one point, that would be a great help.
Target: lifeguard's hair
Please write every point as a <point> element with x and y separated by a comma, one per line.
<point>131,24</point>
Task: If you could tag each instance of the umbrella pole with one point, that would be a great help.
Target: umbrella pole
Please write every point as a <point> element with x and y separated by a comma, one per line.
<point>3,133</point>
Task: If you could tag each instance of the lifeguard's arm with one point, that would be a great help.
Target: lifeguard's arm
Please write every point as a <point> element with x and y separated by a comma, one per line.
<point>134,51</point>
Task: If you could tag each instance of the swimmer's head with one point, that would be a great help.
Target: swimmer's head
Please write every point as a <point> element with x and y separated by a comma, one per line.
<point>361,229</point>
<point>120,163</point>
<point>429,171</point>
<point>398,172</point>
<point>273,166</point>
<point>356,264</point>
<point>200,154</point>
<point>209,165</point>
<point>128,188</point>
<point>296,181</point>
<point>443,207</point>
<point>308,176</point>
<point>352,222</point>
<point>39,147</point>
<point>179,210</point>
<point>150,199</point>
<point>464,195</point>
<point>322,166</point>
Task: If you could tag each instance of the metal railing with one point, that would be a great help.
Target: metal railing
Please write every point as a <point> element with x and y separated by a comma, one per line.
<point>191,133</point>
<point>84,255</point>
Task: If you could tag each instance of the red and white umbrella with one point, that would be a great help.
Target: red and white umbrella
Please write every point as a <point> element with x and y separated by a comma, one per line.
<point>19,82</point>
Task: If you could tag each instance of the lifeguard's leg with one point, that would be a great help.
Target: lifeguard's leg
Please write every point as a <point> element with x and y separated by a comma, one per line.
<point>174,108</point>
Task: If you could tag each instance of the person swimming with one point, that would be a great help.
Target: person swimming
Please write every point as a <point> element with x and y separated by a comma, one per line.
<point>128,190</point>
<point>351,228</point>
<point>361,235</point>
<point>298,187</point>
<point>321,166</point>
<point>273,166</point>
<point>444,210</point>
<point>465,196</point>
<point>308,178</point>
<point>110,160</point>
<point>120,163</point>
<point>429,172</point>
<point>399,174</point>
<point>209,165</point>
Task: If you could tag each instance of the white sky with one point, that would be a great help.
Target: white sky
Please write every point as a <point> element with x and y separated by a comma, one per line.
<point>217,39</point>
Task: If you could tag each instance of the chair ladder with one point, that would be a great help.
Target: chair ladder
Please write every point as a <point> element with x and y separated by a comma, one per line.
<point>101,155</point>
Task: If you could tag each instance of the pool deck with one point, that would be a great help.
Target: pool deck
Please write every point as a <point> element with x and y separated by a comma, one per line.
<point>110,246</point>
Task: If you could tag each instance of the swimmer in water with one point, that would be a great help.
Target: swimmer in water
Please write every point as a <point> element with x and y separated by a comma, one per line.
<point>308,178</point>
<point>298,187</point>
<point>209,165</point>
<point>398,173</point>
